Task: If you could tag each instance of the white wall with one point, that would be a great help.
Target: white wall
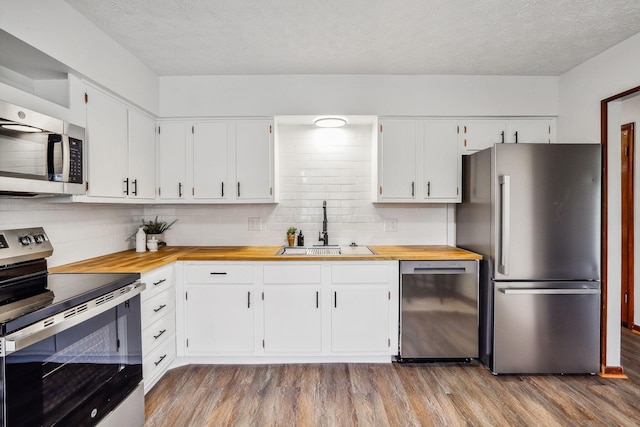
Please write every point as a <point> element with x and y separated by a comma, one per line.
<point>358,94</point>
<point>57,29</point>
<point>631,114</point>
<point>581,90</point>
<point>315,165</point>
<point>76,231</point>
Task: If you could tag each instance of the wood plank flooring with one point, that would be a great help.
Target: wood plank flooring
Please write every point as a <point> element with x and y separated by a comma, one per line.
<point>392,395</point>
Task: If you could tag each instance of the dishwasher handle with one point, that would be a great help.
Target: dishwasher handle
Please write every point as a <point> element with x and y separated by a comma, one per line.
<point>549,291</point>
<point>439,270</point>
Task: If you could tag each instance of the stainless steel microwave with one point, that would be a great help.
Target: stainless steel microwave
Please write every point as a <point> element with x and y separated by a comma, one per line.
<point>39,155</point>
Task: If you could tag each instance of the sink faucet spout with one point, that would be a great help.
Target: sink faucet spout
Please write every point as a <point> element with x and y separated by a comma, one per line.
<point>324,235</point>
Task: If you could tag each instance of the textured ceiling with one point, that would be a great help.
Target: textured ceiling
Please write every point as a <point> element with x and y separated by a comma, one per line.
<point>494,37</point>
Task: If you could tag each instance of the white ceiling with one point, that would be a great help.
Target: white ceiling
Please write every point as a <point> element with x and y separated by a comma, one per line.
<point>485,37</point>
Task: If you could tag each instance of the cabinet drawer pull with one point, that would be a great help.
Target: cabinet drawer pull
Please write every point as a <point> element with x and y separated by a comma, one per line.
<point>317,299</point>
<point>159,281</point>
<point>413,189</point>
<point>335,299</point>
<point>218,273</point>
<point>159,334</point>
<point>238,189</point>
<point>179,189</point>
<point>159,308</point>
<point>428,188</point>
<point>135,187</point>
<point>222,192</point>
<point>126,187</point>
<point>160,360</point>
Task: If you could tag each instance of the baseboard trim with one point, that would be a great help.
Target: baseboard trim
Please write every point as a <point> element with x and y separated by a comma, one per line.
<point>612,372</point>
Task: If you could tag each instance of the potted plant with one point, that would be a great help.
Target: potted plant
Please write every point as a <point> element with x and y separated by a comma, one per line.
<point>291,235</point>
<point>155,228</point>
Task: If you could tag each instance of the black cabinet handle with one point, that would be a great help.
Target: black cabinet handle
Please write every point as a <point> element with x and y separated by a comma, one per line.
<point>179,189</point>
<point>159,281</point>
<point>502,137</point>
<point>218,273</point>
<point>160,334</point>
<point>335,299</point>
<point>317,299</point>
<point>135,187</point>
<point>160,360</point>
<point>126,187</point>
<point>238,189</point>
<point>159,308</point>
<point>222,192</point>
<point>428,188</point>
<point>516,135</point>
<point>249,299</point>
<point>413,188</point>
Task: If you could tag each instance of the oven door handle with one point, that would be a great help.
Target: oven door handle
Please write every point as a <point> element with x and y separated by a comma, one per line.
<point>67,319</point>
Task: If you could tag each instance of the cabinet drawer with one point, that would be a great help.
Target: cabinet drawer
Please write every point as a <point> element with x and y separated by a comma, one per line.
<point>159,360</point>
<point>359,273</point>
<point>157,281</point>
<point>220,273</point>
<point>156,307</point>
<point>158,332</point>
<point>295,274</point>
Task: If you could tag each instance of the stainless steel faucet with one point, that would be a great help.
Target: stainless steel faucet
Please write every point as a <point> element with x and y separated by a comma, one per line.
<point>324,236</point>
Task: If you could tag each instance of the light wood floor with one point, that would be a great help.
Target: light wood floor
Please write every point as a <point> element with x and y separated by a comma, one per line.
<point>392,395</point>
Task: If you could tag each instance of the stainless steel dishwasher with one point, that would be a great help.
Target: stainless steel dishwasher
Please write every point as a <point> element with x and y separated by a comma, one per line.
<point>438,310</point>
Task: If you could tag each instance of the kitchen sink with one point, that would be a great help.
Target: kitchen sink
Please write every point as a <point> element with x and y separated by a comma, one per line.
<point>330,250</point>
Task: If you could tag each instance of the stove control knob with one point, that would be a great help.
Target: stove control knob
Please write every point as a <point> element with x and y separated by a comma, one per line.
<point>39,238</point>
<point>25,240</point>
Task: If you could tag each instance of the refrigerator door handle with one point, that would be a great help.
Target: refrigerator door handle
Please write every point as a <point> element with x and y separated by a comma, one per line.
<point>505,223</point>
<point>552,291</point>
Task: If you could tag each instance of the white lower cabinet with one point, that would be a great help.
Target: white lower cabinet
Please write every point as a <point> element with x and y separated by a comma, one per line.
<point>219,319</point>
<point>158,324</point>
<point>289,311</point>
<point>292,319</point>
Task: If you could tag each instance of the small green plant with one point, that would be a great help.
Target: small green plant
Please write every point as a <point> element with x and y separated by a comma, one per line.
<point>156,227</point>
<point>291,231</point>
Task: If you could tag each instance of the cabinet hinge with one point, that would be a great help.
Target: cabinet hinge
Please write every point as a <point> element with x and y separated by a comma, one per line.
<point>86,98</point>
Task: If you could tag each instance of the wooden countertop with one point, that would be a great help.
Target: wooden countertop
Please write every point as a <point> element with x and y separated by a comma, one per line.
<point>142,262</point>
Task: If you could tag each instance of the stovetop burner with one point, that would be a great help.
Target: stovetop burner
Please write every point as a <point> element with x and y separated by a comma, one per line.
<point>28,293</point>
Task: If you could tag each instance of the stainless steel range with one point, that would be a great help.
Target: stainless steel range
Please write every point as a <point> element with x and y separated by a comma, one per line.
<point>70,344</point>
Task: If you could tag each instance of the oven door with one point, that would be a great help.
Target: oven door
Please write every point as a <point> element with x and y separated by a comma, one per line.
<point>76,376</point>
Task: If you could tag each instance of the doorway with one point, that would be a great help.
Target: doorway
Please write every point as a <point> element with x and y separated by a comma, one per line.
<point>627,168</point>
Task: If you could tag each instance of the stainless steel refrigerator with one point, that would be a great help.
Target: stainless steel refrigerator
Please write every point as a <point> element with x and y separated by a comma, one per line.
<point>533,212</point>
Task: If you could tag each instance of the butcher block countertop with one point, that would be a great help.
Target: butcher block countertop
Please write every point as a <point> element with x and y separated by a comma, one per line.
<point>142,262</point>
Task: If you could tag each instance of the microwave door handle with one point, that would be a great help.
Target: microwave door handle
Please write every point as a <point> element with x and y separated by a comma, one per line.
<point>549,291</point>
<point>66,159</point>
<point>505,223</point>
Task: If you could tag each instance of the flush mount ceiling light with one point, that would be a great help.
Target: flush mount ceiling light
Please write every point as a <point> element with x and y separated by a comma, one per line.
<point>21,128</point>
<point>330,122</point>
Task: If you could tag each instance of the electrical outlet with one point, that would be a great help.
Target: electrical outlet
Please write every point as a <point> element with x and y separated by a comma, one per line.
<point>391,225</point>
<point>255,223</point>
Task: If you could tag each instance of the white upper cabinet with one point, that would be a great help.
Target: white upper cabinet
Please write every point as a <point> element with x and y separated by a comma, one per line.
<point>397,141</point>
<point>418,161</point>
<point>172,160</point>
<point>107,147</point>
<point>121,146</point>
<point>442,163</point>
<point>254,160</point>
<point>211,151</point>
<point>142,156</point>
<point>483,133</point>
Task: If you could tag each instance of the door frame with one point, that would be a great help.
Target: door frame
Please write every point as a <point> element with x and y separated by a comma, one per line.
<point>628,244</point>
<point>604,128</point>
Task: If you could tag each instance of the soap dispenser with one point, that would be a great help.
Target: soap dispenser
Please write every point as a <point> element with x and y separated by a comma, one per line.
<point>300,239</point>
